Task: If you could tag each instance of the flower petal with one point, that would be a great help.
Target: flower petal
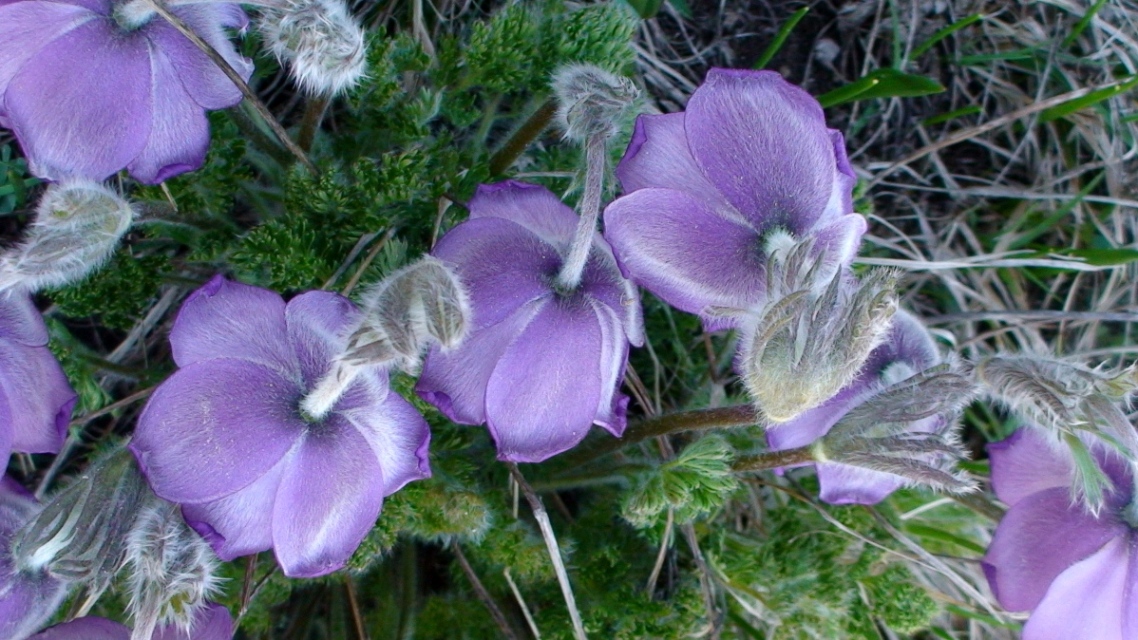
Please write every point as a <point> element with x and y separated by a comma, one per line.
<point>603,281</point>
<point>658,157</point>
<point>179,130</point>
<point>814,423</point>
<point>38,396</point>
<point>86,120</point>
<point>841,197</point>
<point>612,411</point>
<point>847,484</point>
<point>838,241</point>
<point>1085,602</point>
<point>532,206</point>
<point>1040,537</point>
<point>503,265</point>
<point>215,427</point>
<point>28,27</point>
<point>89,628</point>
<point>397,433</point>
<point>456,381</point>
<point>240,524</point>
<point>1024,464</point>
<point>318,326</point>
<point>544,393</point>
<point>764,143</point>
<point>225,319</point>
<point>205,83</point>
<point>20,321</point>
<point>329,498</point>
<point>679,249</point>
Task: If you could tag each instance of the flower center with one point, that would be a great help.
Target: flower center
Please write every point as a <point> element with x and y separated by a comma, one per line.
<point>132,15</point>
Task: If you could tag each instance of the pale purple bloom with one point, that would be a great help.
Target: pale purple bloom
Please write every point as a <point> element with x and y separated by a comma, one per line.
<point>224,435</point>
<point>87,96</point>
<point>1076,572</point>
<point>907,346</point>
<point>212,623</point>
<point>540,365</point>
<point>28,598</point>
<point>35,397</point>
<point>704,188</point>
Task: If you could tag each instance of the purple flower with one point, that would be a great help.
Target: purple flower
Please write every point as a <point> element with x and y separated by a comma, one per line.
<point>908,350</point>
<point>92,86</point>
<point>1073,570</point>
<point>541,364</point>
<point>35,397</point>
<point>28,598</point>
<point>224,436</point>
<point>706,187</point>
<point>212,623</point>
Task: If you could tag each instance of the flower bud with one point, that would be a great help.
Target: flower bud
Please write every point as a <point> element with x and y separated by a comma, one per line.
<point>80,535</point>
<point>404,314</point>
<point>28,597</point>
<point>78,224</point>
<point>320,41</point>
<point>813,334</point>
<point>907,429</point>
<point>591,100</point>
<point>171,570</point>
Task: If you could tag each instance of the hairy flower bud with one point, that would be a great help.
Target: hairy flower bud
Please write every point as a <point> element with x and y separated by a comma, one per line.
<point>78,224</point>
<point>80,535</point>
<point>320,41</point>
<point>404,314</point>
<point>907,429</point>
<point>1069,401</point>
<point>171,570</point>
<point>815,331</point>
<point>591,100</point>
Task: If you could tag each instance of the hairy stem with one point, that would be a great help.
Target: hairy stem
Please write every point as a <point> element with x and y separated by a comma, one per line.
<point>775,459</point>
<point>527,133</point>
<point>574,266</point>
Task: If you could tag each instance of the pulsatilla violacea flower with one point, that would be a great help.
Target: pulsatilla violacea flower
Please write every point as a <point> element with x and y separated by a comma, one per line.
<point>211,623</point>
<point>94,86</point>
<point>894,425</point>
<point>706,188</point>
<point>226,436</point>
<point>542,361</point>
<point>28,597</point>
<point>1073,569</point>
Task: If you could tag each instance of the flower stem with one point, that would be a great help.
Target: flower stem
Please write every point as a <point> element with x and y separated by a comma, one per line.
<point>775,459</point>
<point>527,133</point>
<point>595,150</point>
<point>546,527</point>
<point>699,420</point>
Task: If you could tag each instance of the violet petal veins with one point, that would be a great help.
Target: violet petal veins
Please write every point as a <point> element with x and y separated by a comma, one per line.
<point>540,364</point>
<point>225,437</point>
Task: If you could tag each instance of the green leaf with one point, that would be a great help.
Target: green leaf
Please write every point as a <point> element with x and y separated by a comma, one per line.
<point>646,8</point>
<point>1081,25</point>
<point>934,533</point>
<point>922,48</point>
<point>951,115</point>
<point>1092,98</point>
<point>1104,257</point>
<point>883,83</point>
<point>780,38</point>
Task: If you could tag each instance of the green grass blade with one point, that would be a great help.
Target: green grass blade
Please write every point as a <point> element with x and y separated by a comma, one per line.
<point>883,83</point>
<point>780,38</point>
<point>924,47</point>
<point>951,115</point>
<point>1081,25</point>
<point>1092,98</point>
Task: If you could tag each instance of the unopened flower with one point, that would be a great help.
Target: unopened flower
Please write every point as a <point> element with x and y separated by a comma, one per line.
<point>211,623</point>
<point>894,425</point>
<point>590,100</point>
<point>705,190</point>
<point>226,438</point>
<point>1073,570</point>
<point>90,87</point>
<point>28,597</point>
<point>77,227</point>
<point>319,40</point>
<point>813,333</point>
<point>35,397</point>
<point>543,362</point>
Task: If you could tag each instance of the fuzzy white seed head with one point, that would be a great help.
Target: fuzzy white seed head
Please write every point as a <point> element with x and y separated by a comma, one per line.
<point>322,44</point>
<point>171,570</point>
<point>591,100</point>
<point>814,332</point>
<point>78,224</point>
